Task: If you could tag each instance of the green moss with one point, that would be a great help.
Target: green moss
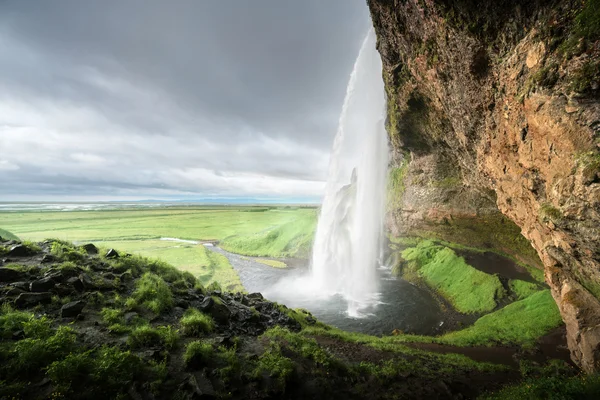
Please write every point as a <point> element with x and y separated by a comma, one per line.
<point>536,316</point>
<point>146,336</point>
<point>195,322</point>
<point>469,290</point>
<point>396,185</point>
<point>198,353</point>
<point>588,20</point>
<point>12,320</point>
<point>550,213</point>
<point>523,289</point>
<point>67,252</point>
<point>107,370</point>
<point>153,293</point>
<point>546,76</point>
<point>29,355</point>
<point>112,316</point>
<point>551,387</point>
<point>275,365</point>
<point>589,163</point>
<point>305,347</point>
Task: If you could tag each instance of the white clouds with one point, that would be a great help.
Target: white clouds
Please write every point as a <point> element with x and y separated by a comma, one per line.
<point>8,166</point>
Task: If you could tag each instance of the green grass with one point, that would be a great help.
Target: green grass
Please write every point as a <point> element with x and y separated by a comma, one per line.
<point>275,365</point>
<point>197,353</point>
<point>521,322</point>
<point>272,231</point>
<point>582,387</point>
<point>469,290</point>
<point>153,293</point>
<point>523,289</point>
<point>146,336</point>
<point>4,234</point>
<point>291,239</point>
<point>194,322</point>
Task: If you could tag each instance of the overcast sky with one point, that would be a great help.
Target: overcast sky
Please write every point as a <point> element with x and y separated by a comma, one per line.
<point>136,99</point>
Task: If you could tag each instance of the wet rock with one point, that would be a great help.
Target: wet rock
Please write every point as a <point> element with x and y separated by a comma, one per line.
<point>19,251</point>
<point>87,281</point>
<point>220,312</point>
<point>90,248</point>
<point>48,258</point>
<point>63,290</point>
<point>24,286</point>
<point>129,317</point>
<point>32,299</point>
<point>11,275</point>
<point>112,253</point>
<point>41,285</point>
<point>76,283</point>
<point>72,309</point>
<point>182,303</point>
<point>255,297</point>
<point>206,304</point>
<point>200,386</point>
<point>14,292</point>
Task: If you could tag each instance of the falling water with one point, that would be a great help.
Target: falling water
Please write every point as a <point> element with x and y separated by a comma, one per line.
<point>348,238</point>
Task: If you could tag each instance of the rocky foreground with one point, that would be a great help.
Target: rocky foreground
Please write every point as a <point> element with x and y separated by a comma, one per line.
<point>77,322</point>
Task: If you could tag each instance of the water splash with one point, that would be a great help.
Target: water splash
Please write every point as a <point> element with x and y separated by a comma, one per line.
<point>348,237</point>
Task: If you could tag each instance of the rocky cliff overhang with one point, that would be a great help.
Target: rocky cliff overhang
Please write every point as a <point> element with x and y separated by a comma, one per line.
<point>499,102</point>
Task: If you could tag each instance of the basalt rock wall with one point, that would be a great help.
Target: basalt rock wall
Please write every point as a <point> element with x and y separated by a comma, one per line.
<point>494,120</point>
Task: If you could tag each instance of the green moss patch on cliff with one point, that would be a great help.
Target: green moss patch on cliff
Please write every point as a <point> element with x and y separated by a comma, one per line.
<point>523,289</point>
<point>520,323</point>
<point>396,185</point>
<point>492,232</point>
<point>469,290</point>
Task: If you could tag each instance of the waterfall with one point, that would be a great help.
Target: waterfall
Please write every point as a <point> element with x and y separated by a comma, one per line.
<point>348,238</point>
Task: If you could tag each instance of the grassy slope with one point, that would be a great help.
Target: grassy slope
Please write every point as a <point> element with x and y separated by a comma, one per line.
<point>7,235</point>
<point>207,266</point>
<point>291,239</point>
<point>199,223</point>
<point>272,232</point>
<point>468,289</point>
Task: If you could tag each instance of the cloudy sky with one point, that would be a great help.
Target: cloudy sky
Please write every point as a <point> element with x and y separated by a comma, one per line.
<point>184,99</point>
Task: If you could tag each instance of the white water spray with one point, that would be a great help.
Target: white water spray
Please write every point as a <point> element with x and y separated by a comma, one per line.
<point>348,238</point>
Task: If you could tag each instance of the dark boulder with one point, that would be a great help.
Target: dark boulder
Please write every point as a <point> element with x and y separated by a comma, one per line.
<point>90,248</point>
<point>72,309</point>
<point>112,253</point>
<point>42,285</point>
<point>220,312</point>
<point>11,275</point>
<point>19,250</point>
<point>48,258</point>
<point>206,304</point>
<point>87,281</point>
<point>32,299</point>
<point>76,283</point>
<point>130,317</point>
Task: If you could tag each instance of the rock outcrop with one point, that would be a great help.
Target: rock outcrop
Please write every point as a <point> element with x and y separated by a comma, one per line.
<point>494,119</point>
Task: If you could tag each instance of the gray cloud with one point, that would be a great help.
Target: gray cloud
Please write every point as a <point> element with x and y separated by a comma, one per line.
<point>184,98</point>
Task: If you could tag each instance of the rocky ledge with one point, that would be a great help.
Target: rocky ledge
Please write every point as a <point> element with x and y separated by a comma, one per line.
<point>79,322</point>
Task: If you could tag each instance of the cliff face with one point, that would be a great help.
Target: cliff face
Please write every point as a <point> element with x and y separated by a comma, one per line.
<point>494,119</point>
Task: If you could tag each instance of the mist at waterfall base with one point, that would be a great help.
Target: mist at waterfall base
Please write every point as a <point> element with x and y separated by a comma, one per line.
<point>347,286</point>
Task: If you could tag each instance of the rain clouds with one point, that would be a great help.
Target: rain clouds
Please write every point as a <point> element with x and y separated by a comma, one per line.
<point>172,100</point>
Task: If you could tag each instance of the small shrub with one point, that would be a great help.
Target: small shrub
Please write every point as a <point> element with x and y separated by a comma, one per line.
<point>112,316</point>
<point>12,320</point>
<point>214,286</point>
<point>194,322</point>
<point>37,327</point>
<point>153,292</point>
<point>272,363</point>
<point>198,353</point>
<point>146,336</point>
<point>67,252</point>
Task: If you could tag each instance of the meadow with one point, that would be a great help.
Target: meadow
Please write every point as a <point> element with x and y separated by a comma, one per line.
<point>277,232</point>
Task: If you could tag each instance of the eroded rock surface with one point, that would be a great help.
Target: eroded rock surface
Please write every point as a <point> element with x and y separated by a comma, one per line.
<point>493,107</point>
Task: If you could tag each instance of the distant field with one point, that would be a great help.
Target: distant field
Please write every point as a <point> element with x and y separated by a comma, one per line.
<point>262,231</point>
